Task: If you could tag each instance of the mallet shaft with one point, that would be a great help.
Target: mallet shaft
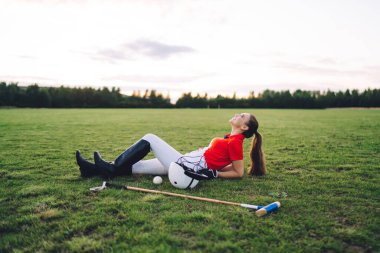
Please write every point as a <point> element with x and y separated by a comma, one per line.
<point>182,195</point>
<point>261,210</point>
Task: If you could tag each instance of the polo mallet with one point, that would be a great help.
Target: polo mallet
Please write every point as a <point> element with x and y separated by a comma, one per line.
<point>261,210</point>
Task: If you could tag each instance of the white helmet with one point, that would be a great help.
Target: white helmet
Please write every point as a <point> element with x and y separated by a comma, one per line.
<point>179,179</point>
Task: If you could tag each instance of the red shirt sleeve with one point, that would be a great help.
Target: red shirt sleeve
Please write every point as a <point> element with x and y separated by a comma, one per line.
<point>235,150</point>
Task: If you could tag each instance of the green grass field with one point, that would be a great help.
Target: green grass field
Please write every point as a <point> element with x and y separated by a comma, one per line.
<point>326,161</point>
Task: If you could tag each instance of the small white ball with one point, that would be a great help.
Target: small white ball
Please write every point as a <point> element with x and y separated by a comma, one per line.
<point>157,180</point>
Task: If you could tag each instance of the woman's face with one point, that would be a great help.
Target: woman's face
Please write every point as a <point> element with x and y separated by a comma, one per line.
<point>240,120</point>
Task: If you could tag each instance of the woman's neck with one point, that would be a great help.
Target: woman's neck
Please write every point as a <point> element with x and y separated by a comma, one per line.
<point>235,131</point>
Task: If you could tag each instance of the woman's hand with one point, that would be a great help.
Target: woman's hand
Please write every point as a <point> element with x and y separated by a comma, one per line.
<point>203,174</point>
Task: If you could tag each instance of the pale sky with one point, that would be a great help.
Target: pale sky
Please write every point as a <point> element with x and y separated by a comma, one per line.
<point>176,46</point>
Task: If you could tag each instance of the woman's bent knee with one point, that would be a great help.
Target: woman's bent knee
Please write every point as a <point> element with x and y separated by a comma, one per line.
<point>149,137</point>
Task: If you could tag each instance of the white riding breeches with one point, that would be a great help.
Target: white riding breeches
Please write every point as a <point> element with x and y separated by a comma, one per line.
<point>166,154</point>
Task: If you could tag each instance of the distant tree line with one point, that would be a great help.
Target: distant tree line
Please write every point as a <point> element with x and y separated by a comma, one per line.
<point>286,99</point>
<point>64,97</point>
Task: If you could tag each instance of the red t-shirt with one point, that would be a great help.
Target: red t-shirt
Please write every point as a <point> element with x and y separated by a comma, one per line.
<point>222,152</point>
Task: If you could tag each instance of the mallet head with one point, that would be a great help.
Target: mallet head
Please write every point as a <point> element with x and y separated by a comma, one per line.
<point>268,209</point>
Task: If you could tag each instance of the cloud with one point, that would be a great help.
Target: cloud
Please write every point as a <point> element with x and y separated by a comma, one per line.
<point>112,54</point>
<point>157,49</point>
<point>374,68</point>
<point>27,57</point>
<point>24,78</point>
<point>129,51</point>
<point>374,73</point>
<point>327,60</point>
<point>51,2</point>
<point>109,55</point>
<point>154,78</point>
<point>316,70</point>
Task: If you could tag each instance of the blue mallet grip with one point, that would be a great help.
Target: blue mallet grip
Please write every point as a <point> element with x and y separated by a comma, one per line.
<point>268,209</point>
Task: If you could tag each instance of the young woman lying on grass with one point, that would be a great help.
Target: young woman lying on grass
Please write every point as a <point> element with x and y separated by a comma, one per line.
<point>222,158</point>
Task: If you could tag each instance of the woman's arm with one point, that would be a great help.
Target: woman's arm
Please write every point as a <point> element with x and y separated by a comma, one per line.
<point>233,170</point>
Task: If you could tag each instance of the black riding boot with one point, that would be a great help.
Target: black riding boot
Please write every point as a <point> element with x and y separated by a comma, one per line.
<point>123,163</point>
<point>86,168</point>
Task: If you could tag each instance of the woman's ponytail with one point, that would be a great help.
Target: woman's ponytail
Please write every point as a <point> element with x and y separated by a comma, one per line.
<point>257,167</point>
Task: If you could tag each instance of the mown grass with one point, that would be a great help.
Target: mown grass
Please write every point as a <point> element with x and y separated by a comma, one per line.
<point>327,161</point>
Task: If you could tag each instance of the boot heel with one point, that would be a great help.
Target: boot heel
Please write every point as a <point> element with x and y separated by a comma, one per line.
<point>106,169</point>
<point>86,168</point>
